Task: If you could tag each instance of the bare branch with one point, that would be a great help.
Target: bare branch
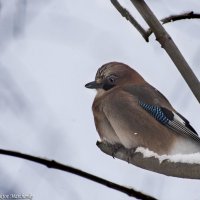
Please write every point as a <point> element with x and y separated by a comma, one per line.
<point>187,15</point>
<point>153,163</point>
<point>125,13</point>
<point>170,47</point>
<point>146,33</point>
<point>59,166</point>
<point>164,39</point>
<point>173,18</point>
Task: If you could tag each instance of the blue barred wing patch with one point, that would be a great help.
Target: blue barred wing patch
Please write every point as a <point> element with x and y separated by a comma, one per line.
<point>172,120</point>
<point>156,112</point>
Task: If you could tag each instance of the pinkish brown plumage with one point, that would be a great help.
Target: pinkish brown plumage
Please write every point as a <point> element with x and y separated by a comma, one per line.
<point>129,111</point>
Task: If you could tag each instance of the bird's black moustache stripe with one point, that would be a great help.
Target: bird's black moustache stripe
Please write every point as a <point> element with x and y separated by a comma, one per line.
<point>108,86</point>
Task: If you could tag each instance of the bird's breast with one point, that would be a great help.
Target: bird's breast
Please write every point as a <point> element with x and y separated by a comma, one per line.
<point>103,126</point>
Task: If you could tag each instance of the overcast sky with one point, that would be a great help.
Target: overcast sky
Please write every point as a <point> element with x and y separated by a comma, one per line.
<point>48,50</point>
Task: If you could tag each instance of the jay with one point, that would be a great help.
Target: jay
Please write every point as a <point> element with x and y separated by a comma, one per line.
<point>129,111</point>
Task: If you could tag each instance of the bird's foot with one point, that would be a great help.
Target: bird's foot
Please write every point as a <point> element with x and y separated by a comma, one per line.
<point>115,148</point>
<point>130,154</point>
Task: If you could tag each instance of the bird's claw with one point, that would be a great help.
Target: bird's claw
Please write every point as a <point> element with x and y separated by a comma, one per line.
<point>130,154</point>
<point>116,148</point>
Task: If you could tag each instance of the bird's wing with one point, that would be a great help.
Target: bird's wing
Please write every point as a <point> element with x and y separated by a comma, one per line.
<point>159,107</point>
<point>171,119</point>
<point>148,94</point>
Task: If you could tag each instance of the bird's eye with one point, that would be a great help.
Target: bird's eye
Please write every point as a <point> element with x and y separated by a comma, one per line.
<point>112,79</point>
<point>109,82</point>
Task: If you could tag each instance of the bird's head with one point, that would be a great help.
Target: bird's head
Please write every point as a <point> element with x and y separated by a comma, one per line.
<point>114,74</point>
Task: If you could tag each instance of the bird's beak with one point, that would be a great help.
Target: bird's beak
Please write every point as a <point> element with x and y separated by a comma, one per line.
<point>93,85</point>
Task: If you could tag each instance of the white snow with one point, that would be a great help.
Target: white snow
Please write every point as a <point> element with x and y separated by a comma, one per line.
<point>193,158</point>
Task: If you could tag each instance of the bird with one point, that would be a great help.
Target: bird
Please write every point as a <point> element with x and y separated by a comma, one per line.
<point>130,112</point>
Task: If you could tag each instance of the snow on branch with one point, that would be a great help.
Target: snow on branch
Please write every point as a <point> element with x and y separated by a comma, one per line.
<point>182,166</point>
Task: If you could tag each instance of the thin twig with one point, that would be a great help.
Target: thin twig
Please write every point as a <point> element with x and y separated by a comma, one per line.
<point>186,15</point>
<point>55,165</point>
<point>125,13</point>
<point>146,33</point>
<point>173,18</point>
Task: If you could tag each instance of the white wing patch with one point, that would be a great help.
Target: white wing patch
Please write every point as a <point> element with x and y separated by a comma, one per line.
<point>177,118</point>
<point>179,125</point>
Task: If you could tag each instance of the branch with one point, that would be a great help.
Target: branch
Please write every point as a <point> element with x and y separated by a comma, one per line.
<point>182,166</point>
<point>125,13</point>
<point>186,15</point>
<point>146,33</point>
<point>173,18</point>
<point>170,47</point>
<point>163,38</point>
<point>59,166</point>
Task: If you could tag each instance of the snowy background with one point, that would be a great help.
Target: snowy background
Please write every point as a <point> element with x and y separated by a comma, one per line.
<point>49,49</point>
